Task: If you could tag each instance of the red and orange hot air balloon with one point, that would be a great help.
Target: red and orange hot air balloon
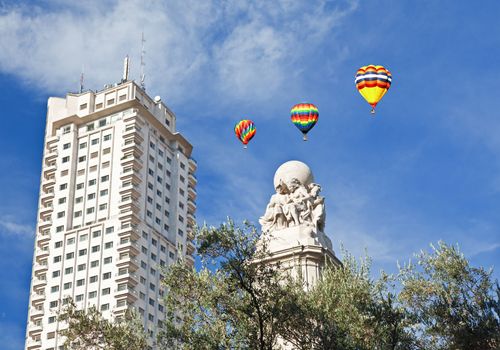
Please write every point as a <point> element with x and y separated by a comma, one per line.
<point>373,82</point>
<point>245,130</point>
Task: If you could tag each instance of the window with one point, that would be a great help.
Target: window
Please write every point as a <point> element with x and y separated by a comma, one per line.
<point>82,159</point>
<point>95,248</point>
<point>57,259</point>
<point>59,228</point>
<point>83,145</point>
<point>159,179</point>
<point>150,185</point>
<point>152,145</point>
<point>96,234</point>
<point>151,302</point>
<point>108,245</point>
<point>158,193</point>
<point>103,206</point>
<point>150,171</point>
<point>65,159</point>
<point>158,221</point>
<point>90,210</point>
<point>151,317</point>
<point>67,285</point>
<point>105,307</point>
<point>56,273</point>
<point>106,276</point>
<point>78,200</point>
<point>82,252</point>
<point>154,242</point>
<point>94,155</point>
<point>102,122</point>
<point>92,295</point>
<point>103,193</point>
<point>82,267</point>
<point>143,264</point>
<point>78,213</point>
<point>68,270</point>
<point>79,297</point>
<point>80,282</point>
<point>150,200</point>
<point>93,168</point>
<point>180,232</point>
<point>153,256</point>
<point>64,172</point>
<point>108,260</point>
<point>66,145</point>
<point>105,165</point>
<point>92,182</point>
<point>54,303</point>
<point>62,200</point>
<point>98,106</point>
<point>79,186</point>
<point>105,178</point>
<point>149,214</point>
<point>93,279</point>
<point>83,106</point>
<point>94,142</point>
<point>110,229</point>
<point>91,196</point>
<point>122,97</point>
<point>107,137</point>
<point>162,248</point>
<point>83,237</point>
<point>94,263</point>
<point>106,151</point>
<point>111,101</point>
<point>54,289</point>
<point>58,244</point>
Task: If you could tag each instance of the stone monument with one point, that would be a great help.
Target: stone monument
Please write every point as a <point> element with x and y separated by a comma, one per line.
<point>294,222</point>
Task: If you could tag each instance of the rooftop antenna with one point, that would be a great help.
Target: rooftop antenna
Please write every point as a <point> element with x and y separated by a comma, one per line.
<point>126,69</point>
<point>143,53</point>
<point>82,79</point>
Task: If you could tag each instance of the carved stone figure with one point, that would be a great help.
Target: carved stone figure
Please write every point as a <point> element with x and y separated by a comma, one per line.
<point>295,203</point>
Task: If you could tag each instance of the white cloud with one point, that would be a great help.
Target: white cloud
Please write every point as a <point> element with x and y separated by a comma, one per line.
<point>242,49</point>
<point>9,227</point>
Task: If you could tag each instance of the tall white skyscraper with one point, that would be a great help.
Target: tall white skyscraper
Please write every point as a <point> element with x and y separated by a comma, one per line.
<point>117,201</point>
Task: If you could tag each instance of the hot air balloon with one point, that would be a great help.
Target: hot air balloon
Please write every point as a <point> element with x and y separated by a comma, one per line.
<point>372,83</point>
<point>304,116</point>
<point>245,130</point>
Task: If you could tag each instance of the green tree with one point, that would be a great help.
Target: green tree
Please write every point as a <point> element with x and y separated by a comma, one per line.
<point>231,302</point>
<point>235,302</point>
<point>454,305</point>
<point>87,329</point>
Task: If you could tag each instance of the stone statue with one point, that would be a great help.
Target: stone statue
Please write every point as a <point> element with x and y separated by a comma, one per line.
<point>294,203</point>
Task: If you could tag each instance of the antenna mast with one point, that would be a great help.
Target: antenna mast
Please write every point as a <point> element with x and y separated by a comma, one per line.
<point>125,69</point>
<point>82,79</point>
<point>143,53</point>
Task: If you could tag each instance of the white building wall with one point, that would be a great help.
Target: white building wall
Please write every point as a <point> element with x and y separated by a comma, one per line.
<point>116,204</point>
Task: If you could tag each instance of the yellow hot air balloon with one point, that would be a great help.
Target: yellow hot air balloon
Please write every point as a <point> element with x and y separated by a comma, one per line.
<point>372,83</point>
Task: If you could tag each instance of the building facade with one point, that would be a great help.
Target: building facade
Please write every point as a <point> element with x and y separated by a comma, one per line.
<point>117,202</point>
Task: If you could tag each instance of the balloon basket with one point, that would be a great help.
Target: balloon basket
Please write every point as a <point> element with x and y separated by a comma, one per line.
<point>372,112</point>
<point>245,147</point>
<point>304,137</point>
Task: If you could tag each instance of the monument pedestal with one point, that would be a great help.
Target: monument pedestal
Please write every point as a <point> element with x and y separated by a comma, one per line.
<point>301,251</point>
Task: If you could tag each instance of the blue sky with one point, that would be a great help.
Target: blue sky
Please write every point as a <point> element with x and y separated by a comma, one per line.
<point>426,168</point>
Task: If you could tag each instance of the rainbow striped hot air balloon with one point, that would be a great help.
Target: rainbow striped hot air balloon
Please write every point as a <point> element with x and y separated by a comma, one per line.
<point>245,130</point>
<point>304,116</point>
<point>372,83</point>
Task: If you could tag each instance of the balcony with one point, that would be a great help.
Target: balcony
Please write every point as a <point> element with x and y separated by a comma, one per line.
<point>130,247</point>
<point>40,267</point>
<point>45,223</point>
<point>128,277</point>
<point>51,154</point>
<point>130,233</point>
<point>34,329</point>
<point>49,169</point>
<point>46,209</point>
<point>191,192</point>
<point>191,205</point>
<point>39,283</point>
<point>130,174</point>
<point>190,249</point>
<point>129,262</point>
<point>132,146</point>
<point>192,165</point>
<point>42,253</point>
<point>48,182</point>
<point>47,195</point>
<point>32,344</point>
<point>43,237</point>
<point>129,293</point>
<point>133,160</point>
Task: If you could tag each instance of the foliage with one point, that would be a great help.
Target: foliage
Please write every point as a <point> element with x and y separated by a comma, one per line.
<point>455,306</point>
<point>88,329</point>
<point>231,302</point>
<point>347,309</point>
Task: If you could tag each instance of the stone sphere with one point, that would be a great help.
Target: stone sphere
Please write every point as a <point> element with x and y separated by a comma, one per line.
<point>293,169</point>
